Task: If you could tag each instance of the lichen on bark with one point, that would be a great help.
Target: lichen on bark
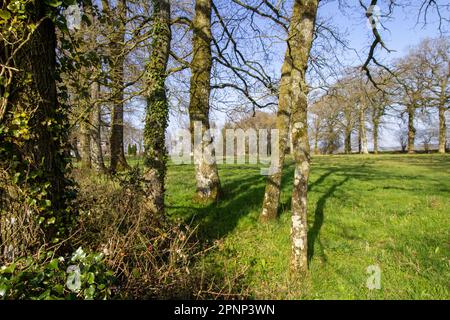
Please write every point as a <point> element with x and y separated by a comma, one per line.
<point>206,172</point>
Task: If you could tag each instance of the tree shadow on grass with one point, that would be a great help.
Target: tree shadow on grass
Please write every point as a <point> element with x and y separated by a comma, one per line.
<point>244,192</point>
<point>240,197</point>
<point>314,231</point>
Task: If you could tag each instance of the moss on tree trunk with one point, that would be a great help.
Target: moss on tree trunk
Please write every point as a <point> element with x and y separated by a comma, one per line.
<point>206,173</point>
<point>300,42</point>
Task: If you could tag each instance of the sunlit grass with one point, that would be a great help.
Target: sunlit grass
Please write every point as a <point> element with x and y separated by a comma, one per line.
<point>392,211</point>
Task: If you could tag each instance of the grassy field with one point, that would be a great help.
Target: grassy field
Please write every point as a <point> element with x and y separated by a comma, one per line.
<point>392,211</point>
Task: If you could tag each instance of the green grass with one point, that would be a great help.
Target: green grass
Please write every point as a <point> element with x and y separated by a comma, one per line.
<point>388,210</point>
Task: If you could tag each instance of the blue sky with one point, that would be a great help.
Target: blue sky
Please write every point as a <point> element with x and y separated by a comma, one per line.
<point>402,27</point>
<point>402,30</point>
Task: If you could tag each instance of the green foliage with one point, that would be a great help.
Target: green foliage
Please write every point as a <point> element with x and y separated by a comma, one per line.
<point>23,123</point>
<point>80,276</point>
<point>132,150</point>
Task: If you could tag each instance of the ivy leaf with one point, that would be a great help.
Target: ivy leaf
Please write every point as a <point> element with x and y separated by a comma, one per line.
<point>8,269</point>
<point>53,3</point>
<point>90,278</point>
<point>4,14</point>
<point>3,289</point>
<point>53,265</point>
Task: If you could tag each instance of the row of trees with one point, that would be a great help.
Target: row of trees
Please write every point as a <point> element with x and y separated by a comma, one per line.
<point>415,86</point>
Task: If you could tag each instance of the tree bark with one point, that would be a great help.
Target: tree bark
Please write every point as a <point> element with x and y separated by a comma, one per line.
<point>362,131</point>
<point>442,130</point>
<point>316,144</point>
<point>411,128</point>
<point>157,112</point>
<point>85,143</point>
<point>376,129</point>
<point>206,173</point>
<point>377,113</point>
<point>33,94</point>
<point>300,41</point>
<point>74,148</point>
<point>118,160</point>
<point>97,161</point>
<point>348,141</point>
<point>442,109</point>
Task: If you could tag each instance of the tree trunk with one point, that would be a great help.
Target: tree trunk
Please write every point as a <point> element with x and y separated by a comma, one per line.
<point>157,111</point>
<point>376,129</point>
<point>118,161</point>
<point>411,129</point>
<point>300,41</point>
<point>362,131</point>
<point>206,173</point>
<point>33,94</point>
<point>442,130</point>
<point>95,132</point>
<point>85,143</point>
<point>316,144</point>
<point>273,185</point>
<point>442,108</point>
<point>348,141</point>
<point>74,148</point>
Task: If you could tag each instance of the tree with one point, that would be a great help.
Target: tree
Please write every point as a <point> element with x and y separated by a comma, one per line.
<point>411,91</point>
<point>273,185</point>
<point>33,124</point>
<point>206,173</point>
<point>95,128</point>
<point>117,20</point>
<point>299,44</point>
<point>433,54</point>
<point>157,110</point>
<point>379,100</point>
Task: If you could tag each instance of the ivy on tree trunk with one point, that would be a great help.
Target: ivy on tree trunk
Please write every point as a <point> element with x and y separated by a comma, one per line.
<point>157,111</point>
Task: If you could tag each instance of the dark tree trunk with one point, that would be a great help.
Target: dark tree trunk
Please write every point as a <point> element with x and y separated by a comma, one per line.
<point>411,128</point>
<point>85,143</point>
<point>74,148</point>
<point>348,141</point>
<point>118,160</point>
<point>316,144</point>
<point>45,149</point>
